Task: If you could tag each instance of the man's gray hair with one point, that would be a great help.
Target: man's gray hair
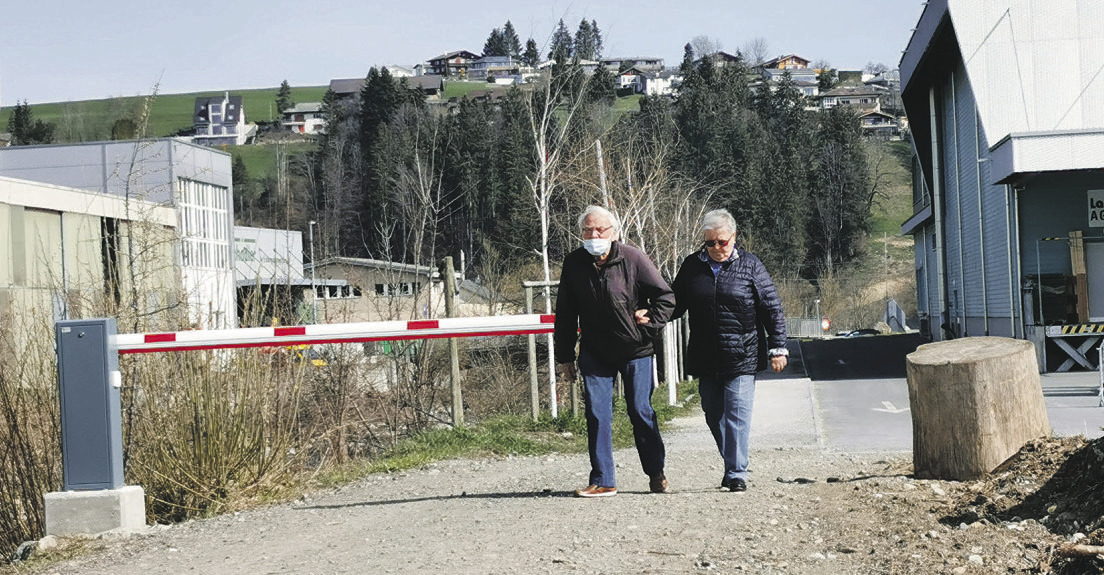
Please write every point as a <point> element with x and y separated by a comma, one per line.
<point>599,210</point>
<point>718,220</point>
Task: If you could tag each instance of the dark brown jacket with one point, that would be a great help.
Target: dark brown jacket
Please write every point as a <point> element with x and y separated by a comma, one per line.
<point>599,303</point>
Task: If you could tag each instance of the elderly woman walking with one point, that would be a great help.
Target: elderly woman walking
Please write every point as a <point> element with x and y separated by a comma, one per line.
<point>736,322</point>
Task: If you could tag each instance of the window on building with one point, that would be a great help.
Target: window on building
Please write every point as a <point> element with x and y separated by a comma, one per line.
<point>401,289</point>
<point>205,224</point>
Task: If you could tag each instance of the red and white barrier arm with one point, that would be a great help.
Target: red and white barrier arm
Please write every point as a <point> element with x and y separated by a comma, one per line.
<point>333,333</point>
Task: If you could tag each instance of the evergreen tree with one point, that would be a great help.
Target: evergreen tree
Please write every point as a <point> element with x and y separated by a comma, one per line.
<point>283,98</point>
<point>584,41</point>
<point>496,44</point>
<point>25,130</point>
<point>841,192</point>
<point>597,39</point>
<point>470,177</point>
<point>513,43</point>
<point>588,41</point>
<point>379,100</point>
<point>245,193</point>
<point>339,165</point>
<point>778,175</point>
<point>600,86</point>
<point>560,50</point>
<point>531,56</point>
<point>517,226</point>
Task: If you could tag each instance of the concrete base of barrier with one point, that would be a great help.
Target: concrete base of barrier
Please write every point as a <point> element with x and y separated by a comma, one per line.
<point>92,512</point>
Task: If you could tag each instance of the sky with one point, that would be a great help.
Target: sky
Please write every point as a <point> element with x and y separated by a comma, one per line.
<point>62,50</point>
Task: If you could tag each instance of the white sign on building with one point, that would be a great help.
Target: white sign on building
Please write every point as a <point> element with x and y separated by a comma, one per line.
<point>272,256</point>
<point>1096,208</point>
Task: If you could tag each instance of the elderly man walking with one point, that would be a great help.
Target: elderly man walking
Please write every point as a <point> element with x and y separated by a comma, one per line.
<point>614,299</point>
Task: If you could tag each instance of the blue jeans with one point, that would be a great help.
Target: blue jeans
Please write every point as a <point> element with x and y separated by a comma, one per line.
<point>598,396</point>
<point>727,405</point>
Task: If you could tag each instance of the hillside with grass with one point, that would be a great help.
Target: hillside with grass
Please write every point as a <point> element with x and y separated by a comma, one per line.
<point>854,298</point>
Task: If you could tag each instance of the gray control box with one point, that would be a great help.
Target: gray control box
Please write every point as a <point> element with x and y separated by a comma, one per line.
<point>91,419</point>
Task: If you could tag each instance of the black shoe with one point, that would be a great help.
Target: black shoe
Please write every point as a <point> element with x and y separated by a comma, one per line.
<point>658,484</point>
<point>737,484</point>
<point>725,482</point>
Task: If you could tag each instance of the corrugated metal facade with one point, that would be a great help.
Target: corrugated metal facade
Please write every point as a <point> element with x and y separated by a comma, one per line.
<point>980,268</point>
<point>154,171</point>
<point>1007,101</point>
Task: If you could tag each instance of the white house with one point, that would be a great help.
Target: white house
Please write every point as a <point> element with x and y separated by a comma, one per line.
<point>305,118</point>
<point>220,120</point>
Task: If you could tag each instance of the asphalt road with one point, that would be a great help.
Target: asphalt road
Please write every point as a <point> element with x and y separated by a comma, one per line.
<point>861,415</point>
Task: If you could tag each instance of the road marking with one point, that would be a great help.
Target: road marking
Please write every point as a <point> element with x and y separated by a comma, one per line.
<point>888,407</point>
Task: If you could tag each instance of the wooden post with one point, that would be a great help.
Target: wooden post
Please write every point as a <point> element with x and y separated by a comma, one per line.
<point>975,401</point>
<point>1080,275</point>
<point>454,351</point>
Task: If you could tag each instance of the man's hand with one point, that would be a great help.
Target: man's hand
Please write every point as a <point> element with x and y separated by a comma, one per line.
<point>778,363</point>
<point>567,371</point>
<point>642,317</point>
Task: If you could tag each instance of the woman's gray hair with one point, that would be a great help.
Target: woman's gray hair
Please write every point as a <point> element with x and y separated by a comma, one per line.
<point>718,220</point>
<point>616,223</point>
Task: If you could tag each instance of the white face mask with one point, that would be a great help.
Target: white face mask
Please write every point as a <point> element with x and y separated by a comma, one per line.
<point>597,246</point>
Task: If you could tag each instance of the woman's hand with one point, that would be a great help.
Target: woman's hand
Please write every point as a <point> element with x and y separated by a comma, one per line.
<point>642,317</point>
<point>778,363</point>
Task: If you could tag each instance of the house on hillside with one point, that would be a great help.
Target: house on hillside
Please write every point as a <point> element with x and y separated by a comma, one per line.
<point>493,67</point>
<point>400,71</point>
<point>193,181</point>
<point>304,118</point>
<point>632,78</point>
<point>349,88</point>
<point>721,59</point>
<point>650,83</point>
<point>452,64</point>
<point>220,121</point>
<point>804,79</point>
<point>861,97</point>
<point>787,62</point>
<point>875,123</point>
<point>642,63</point>
<point>346,88</point>
<point>430,85</point>
<point>1008,192</point>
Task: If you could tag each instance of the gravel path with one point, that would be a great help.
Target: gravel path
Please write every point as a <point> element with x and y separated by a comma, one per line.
<point>806,511</point>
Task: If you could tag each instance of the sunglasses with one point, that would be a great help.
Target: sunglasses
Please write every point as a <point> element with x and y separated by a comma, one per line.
<point>717,243</point>
<point>598,231</point>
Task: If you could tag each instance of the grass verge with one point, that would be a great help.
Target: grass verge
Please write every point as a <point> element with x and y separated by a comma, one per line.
<point>506,435</point>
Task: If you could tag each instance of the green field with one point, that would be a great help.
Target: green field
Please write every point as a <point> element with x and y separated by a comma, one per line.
<point>91,120</point>
<point>260,159</point>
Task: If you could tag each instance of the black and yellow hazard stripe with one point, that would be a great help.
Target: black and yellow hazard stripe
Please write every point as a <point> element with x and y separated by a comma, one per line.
<point>1083,328</point>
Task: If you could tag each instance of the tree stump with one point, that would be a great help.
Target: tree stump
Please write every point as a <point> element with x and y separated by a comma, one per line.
<point>975,401</point>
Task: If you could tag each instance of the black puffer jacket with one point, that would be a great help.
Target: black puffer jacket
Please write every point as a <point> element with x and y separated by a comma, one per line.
<point>599,303</point>
<point>735,317</point>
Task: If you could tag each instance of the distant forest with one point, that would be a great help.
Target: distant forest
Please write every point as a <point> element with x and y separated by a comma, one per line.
<point>394,178</point>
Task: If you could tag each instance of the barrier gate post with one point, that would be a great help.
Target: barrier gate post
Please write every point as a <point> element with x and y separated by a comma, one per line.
<point>95,499</point>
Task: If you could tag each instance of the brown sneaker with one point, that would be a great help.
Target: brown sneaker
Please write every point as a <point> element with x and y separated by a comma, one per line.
<point>658,484</point>
<point>595,491</point>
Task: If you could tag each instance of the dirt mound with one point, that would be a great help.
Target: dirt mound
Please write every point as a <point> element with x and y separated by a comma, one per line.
<point>1058,482</point>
